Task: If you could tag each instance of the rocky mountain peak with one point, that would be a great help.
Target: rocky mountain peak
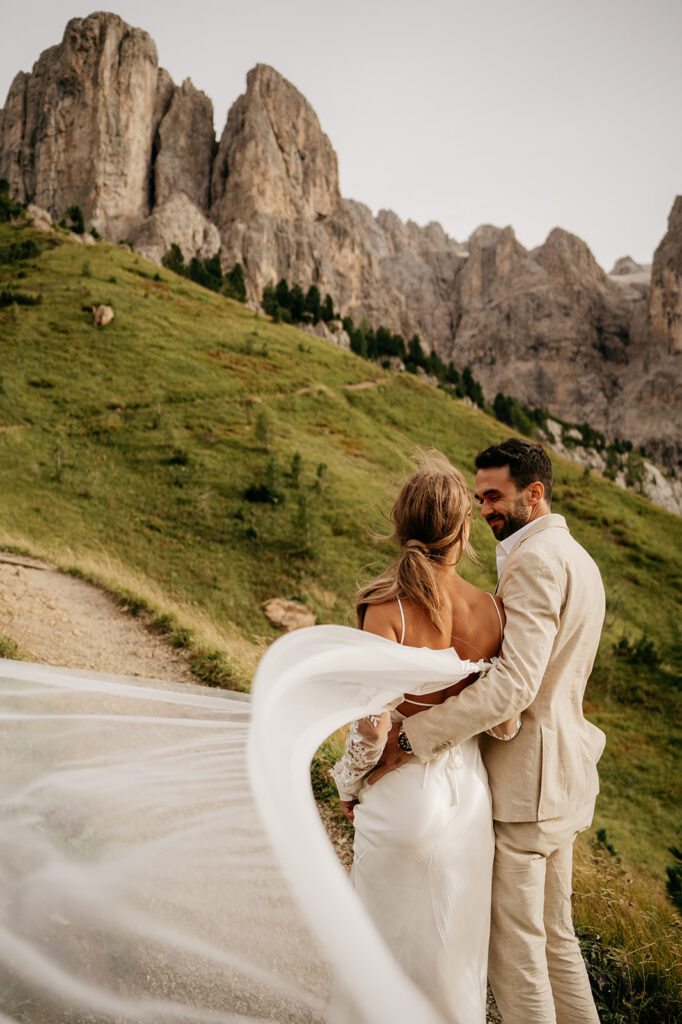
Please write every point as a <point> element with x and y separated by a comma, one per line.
<point>79,128</point>
<point>665,304</point>
<point>273,158</point>
<point>567,259</point>
<point>625,265</point>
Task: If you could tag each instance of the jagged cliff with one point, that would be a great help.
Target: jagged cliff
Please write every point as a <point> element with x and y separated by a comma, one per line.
<point>98,123</point>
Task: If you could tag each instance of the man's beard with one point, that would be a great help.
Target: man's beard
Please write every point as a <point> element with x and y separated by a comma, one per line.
<point>517,517</point>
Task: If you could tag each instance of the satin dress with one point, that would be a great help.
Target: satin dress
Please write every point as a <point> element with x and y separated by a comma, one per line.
<point>423,857</point>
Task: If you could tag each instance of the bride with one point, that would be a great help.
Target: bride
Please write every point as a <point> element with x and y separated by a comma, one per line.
<point>424,840</point>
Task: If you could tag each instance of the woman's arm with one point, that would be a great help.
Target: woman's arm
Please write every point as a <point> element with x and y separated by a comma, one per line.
<point>367,736</point>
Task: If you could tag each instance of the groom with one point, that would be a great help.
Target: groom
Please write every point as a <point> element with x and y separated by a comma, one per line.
<point>544,781</point>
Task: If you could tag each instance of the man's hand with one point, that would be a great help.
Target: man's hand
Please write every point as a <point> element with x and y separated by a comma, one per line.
<point>392,757</point>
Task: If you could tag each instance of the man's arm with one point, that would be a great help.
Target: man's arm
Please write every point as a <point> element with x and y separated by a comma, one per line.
<point>532,602</point>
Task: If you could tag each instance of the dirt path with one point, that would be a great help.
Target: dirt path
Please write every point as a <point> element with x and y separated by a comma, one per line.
<point>60,620</point>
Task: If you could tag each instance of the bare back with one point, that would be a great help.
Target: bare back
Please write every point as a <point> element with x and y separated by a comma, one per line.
<point>471,625</point>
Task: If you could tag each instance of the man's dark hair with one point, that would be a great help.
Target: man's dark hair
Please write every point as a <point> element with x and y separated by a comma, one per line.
<point>527,463</point>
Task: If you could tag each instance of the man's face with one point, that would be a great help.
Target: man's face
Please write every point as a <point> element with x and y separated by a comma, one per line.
<point>503,506</point>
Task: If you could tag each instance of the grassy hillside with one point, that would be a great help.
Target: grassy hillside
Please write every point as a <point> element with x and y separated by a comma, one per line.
<point>126,455</point>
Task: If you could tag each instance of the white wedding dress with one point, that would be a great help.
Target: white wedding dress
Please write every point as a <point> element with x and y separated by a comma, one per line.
<point>162,859</point>
<point>422,863</point>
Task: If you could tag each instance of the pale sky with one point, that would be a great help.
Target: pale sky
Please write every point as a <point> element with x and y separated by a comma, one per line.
<point>525,112</point>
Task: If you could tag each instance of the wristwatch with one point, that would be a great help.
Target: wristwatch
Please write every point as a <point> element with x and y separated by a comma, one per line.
<point>403,741</point>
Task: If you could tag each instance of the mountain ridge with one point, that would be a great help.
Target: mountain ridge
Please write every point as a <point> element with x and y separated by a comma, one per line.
<point>98,123</point>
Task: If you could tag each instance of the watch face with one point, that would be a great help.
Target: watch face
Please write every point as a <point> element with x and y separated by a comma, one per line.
<point>404,743</point>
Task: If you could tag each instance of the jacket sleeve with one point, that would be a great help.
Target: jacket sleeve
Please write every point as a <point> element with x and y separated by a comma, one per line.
<point>532,600</point>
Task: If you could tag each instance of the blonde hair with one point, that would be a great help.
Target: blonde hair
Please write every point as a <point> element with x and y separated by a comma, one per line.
<point>429,517</point>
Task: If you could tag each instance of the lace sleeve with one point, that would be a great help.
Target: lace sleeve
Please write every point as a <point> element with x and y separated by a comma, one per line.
<point>366,741</point>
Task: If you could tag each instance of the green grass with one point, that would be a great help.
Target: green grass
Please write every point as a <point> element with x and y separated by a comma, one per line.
<point>127,451</point>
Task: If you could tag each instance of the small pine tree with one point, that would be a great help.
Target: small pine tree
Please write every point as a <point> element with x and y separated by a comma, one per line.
<point>415,352</point>
<point>174,260</point>
<point>327,312</point>
<point>269,302</point>
<point>282,293</point>
<point>358,343</point>
<point>235,283</point>
<point>303,526</point>
<point>264,429</point>
<point>322,477</point>
<point>296,303</point>
<point>214,272</point>
<point>273,480</point>
<point>296,469</point>
<point>313,304</point>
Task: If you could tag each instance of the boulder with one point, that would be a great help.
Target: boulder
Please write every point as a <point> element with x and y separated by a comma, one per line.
<point>288,614</point>
<point>102,315</point>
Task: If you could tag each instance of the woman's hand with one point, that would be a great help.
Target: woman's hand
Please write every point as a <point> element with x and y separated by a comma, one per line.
<point>348,808</point>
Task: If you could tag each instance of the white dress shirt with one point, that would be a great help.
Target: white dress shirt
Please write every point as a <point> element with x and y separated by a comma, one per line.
<point>506,546</point>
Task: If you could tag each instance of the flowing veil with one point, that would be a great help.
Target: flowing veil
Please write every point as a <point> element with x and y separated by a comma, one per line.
<point>161,856</point>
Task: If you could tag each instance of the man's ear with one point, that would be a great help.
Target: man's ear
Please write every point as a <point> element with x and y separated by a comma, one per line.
<point>536,492</point>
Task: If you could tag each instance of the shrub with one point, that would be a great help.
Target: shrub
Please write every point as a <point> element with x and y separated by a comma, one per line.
<point>635,473</point>
<point>8,297</point>
<point>641,652</point>
<point>174,260</point>
<point>17,252</point>
<point>673,886</point>
<point>74,216</point>
<point>270,489</point>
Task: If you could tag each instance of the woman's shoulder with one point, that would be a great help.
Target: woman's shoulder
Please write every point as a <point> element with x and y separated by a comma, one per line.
<point>383,619</point>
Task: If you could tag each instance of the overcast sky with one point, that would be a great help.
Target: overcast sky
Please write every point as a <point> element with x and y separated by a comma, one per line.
<point>532,113</point>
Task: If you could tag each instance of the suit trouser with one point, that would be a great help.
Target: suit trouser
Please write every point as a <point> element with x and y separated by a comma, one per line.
<point>536,970</point>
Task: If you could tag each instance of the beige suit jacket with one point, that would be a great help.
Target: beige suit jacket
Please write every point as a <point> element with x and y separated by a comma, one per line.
<point>554,601</point>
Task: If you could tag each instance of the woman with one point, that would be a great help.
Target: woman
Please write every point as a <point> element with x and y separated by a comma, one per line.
<point>423,833</point>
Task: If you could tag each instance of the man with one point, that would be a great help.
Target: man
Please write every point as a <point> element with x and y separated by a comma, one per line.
<point>544,780</point>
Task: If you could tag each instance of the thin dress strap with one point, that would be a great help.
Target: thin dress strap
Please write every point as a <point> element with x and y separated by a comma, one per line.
<point>499,615</point>
<point>402,618</point>
<point>408,700</point>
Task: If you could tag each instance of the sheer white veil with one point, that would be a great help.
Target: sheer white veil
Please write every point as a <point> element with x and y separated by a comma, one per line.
<point>161,856</point>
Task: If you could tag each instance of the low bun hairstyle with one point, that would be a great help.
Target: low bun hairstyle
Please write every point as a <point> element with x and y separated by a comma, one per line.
<point>431,518</point>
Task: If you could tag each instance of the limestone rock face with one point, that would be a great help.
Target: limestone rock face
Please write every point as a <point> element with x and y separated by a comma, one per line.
<point>185,146</point>
<point>273,157</point>
<point>665,307</point>
<point>79,128</point>
<point>277,203</point>
<point>97,123</point>
<point>178,220</point>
